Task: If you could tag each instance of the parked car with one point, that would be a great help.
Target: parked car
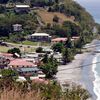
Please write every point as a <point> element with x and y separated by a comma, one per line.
<point>3,44</point>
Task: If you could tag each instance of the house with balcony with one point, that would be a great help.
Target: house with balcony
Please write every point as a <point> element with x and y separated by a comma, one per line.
<point>40,37</point>
<point>22,8</point>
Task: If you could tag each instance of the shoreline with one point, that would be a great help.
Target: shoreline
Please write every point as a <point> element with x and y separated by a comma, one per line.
<point>93,69</point>
<point>97,77</point>
<point>88,76</point>
<point>82,76</point>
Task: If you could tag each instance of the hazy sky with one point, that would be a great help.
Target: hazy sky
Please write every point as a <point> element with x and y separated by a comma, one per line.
<point>92,6</point>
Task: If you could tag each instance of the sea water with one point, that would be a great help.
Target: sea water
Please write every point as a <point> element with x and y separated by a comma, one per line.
<point>96,70</point>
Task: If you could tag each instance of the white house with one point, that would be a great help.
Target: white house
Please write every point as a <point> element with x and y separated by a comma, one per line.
<point>22,8</point>
<point>17,27</point>
<point>40,37</point>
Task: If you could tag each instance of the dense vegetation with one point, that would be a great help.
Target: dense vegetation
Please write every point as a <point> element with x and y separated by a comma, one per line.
<point>83,22</point>
<point>49,66</point>
<point>31,90</point>
<point>82,26</point>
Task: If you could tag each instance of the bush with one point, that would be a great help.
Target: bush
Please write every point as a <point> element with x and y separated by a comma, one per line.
<point>39,50</point>
<point>15,50</point>
<point>58,47</point>
<point>56,19</point>
<point>50,67</point>
<point>68,55</point>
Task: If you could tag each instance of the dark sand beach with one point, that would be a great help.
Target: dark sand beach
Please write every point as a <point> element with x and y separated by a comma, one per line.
<point>80,75</point>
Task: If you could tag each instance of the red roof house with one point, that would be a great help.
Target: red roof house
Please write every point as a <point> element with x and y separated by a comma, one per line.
<point>20,63</point>
<point>59,40</point>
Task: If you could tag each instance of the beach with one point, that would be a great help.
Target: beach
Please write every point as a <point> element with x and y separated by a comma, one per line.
<point>79,71</point>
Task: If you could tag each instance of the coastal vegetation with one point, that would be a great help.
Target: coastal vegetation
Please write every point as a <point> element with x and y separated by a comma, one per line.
<point>49,66</point>
<point>67,19</point>
<point>26,90</point>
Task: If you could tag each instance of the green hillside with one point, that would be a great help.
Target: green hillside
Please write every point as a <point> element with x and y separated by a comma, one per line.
<point>57,18</point>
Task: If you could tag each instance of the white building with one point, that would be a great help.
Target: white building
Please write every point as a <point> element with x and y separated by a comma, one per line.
<point>22,8</point>
<point>17,27</point>
<point>40,37</point>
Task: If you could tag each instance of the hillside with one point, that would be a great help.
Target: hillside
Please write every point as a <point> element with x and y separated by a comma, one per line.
<point>47,17</point>
<point>71,19</point>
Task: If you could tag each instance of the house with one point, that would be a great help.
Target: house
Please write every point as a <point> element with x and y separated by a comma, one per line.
<point>5,59</point>
<point>3,62</point>
<point>40,37</point>
<point>57,40</point>
<point>29,71</point>
<point>47,50</point>
<point>23,67</point>
<point>31,57</point>
<point>18,63</point>
<point>6,55</point>
<point>75,38</point>
<point>22,8</point>
<point>17,27</point>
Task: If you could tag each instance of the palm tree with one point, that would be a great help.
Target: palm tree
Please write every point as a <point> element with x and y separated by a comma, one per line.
<point>76,93</point>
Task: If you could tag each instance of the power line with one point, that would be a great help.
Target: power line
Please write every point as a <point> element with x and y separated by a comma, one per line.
<point>81,66</point>
<point>92,46</point>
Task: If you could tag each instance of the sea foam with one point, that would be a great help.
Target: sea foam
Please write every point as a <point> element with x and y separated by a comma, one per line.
<point>96,82</point>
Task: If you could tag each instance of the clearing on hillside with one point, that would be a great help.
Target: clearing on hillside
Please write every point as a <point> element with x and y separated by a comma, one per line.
<point>47,17</point>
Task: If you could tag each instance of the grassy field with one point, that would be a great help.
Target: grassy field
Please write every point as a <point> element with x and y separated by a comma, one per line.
<point>30,43</point>
<point>23,49</point>
<point>47,17</point>
<point>35,43</point>
<point>25,46</point>
<point>4,49</point>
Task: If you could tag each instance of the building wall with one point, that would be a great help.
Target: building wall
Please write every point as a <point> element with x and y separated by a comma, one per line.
<point>40,38</point>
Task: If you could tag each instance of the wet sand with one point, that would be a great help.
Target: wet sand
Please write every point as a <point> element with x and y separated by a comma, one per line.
<point>77,72</point>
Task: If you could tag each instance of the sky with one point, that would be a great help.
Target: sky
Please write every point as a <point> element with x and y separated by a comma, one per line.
<point>92,6</point>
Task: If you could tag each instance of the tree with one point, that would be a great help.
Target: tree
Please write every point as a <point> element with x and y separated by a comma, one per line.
<point>56,19</point>
<point>15,50</point>
<point>50,67</point>
<point>2,9</point>
<point>40,3</point>
<point>58,47</point>
<point>72,28</point>
<point>67,55</point>
<point>8,73</point>
<point>45,58</point>
<point>69,43</point>
<point>9,77</point>
<point>79,44</point>
<point>76,93</point>
<point>57,1</point>
<point>39,50</point>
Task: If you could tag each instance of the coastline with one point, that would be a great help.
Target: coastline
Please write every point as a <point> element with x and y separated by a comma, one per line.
<point>95,75</point>
<point>80,75</point>
<point>96,82</point>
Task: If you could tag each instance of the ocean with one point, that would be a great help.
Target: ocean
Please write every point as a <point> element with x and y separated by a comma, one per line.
<point>96,71</point>
<point>93,7</point>
<point>96,82</point>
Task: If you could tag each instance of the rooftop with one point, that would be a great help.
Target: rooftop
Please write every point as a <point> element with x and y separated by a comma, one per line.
<point>17,25</point>
<point>6,54</point>
<point>29,69</point>
<point>40,34</point>
<point>59,39</point>
<point>21,62</point>
<point>22,6</point>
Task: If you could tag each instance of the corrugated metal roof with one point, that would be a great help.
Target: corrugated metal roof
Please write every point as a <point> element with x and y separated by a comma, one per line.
<point>27,69</point>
